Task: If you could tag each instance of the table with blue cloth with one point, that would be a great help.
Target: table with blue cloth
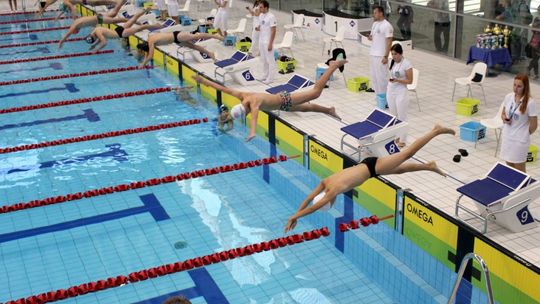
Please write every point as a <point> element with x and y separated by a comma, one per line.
<point>491,57</point>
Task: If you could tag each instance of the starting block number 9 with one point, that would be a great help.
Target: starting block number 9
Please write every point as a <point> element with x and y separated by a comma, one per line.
<point>391,148</point>
<point>524,216</point>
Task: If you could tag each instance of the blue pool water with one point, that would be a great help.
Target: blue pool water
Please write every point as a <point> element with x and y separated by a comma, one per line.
<point>58,246</point>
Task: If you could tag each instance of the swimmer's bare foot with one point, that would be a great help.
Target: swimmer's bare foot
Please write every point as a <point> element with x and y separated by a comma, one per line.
<point>443,130</point>
<point>432,166</point>
<point>332,112</point>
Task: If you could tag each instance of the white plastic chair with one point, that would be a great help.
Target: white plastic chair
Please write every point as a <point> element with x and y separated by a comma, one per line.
<point>286,43</point>
<point>340,36</point>
<point>240,29</point>
<point>185,9</point>
<point>412,87</point>
<point>297,26</point>
<point>479,68</point>
<point>212,14</point>
<point>496,124</point>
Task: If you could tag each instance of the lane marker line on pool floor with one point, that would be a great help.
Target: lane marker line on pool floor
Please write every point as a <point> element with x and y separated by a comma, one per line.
<point>3,46</point>
<point>49,29</point>
<point>74,75</point>
<point>142,184</point>
<point>85,100</point>
<point>41,58</point>
<point>171,268</point>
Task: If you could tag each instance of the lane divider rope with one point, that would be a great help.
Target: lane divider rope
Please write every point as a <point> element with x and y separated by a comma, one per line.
<point>24,13</point>
<point>33,20</point>
<point>85,100</point>
<point>3,46</point>
<point>365,221</point>
<point>141,184</point>
<point>41,58</point>
<point>109,134</point>
<point>49,29</point>
<point>171,268</point>
<point>73,75</point>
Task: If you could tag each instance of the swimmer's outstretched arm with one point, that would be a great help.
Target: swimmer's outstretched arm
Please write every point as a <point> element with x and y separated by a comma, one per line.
<point>150,53</point>
<point>206,82</point>
<point>102,42</point>
<point>304,210</point>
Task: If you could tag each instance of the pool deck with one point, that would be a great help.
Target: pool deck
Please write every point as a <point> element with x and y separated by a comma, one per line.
<point>436,81</point>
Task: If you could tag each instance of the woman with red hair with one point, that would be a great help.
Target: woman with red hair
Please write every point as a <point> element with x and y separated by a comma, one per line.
<point>520,118</point>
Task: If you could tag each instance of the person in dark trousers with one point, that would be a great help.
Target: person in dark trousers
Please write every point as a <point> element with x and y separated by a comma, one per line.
<point>405,20</point>
<point>442,25</point>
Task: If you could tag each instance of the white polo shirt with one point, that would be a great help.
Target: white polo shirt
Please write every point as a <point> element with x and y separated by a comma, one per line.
<point>518,130</point>
<point>380,30</point>
<point>266,22</point>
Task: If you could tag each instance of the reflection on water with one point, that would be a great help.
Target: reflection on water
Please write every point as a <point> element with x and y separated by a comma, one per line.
<point>231,232</point>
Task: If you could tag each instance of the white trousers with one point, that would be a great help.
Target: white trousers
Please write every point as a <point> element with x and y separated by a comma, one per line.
<point>398,104</point>
<point>220,20</point>
<point>172,8</point>
<point>268,62</point>
<point>379,74</point>
<point>254,50</point>
<point>162,6</point>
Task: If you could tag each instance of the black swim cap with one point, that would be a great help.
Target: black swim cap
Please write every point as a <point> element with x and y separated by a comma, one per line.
<point>143,46</point>
<point>90,39</point>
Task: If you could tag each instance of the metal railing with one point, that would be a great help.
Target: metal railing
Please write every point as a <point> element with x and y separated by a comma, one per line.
<point>462,267</point>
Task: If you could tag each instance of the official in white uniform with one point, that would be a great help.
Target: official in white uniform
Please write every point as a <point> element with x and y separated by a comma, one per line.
<point>172,10</point>
<point>520,117</point>
<point>254,12</point>
<point>162,6</point>
<point>222,16</point>
<point>381,41</point>
<point>267,34</point>
<point>401,74</point>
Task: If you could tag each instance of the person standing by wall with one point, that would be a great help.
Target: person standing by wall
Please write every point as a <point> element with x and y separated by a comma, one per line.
<point>381,36</point>
<point>520,118</point>
<point>267,34</point>
<point>535,48</point>
<point>401,74</point>
<point>442,25</point>
<point>405,20</point>
<point>222,16</point>
<point>254,49</point>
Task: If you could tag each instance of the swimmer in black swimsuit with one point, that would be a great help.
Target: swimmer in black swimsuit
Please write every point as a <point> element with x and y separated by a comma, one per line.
<point>87,22</point>
<point>352,177</point>
<point>98,37</point>
<point>182,38</point>
<point>297,101</point>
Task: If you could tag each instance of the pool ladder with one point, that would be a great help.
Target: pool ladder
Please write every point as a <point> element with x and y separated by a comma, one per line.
<point>462,267</point>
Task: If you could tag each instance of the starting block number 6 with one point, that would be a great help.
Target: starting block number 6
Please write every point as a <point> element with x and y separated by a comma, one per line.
<point>248,76</point>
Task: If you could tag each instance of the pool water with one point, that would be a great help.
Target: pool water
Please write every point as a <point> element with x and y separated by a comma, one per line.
<point>58,246</point>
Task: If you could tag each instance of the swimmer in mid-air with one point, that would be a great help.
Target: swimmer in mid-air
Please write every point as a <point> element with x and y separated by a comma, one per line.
<point>181,38</point>
<point>88,22</point>
<point>70,6</point>
<point>98,37</point>
<point>252,102</point>
<point>327,190</point>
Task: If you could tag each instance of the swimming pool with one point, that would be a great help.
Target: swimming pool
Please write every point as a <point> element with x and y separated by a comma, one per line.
<point>58,246</point>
